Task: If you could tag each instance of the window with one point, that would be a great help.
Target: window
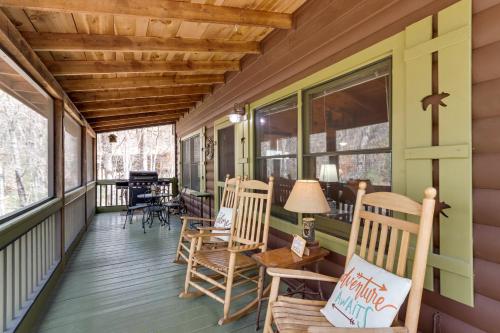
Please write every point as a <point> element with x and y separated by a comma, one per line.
<point>72,153</point>
<point>26,140</point>
<point>191,162</point>
<point>347,139</point>
<point>276,151</point>
<point>89,145</point>
<point>141,149</point>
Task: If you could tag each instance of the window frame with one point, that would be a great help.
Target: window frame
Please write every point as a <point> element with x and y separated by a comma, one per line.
<point>355,77</point>
<point>49,114</point>
<point>256,159</point>
<point>201,167</point>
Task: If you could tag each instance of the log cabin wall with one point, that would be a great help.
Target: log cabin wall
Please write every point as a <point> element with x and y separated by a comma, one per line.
<point>318,41</point>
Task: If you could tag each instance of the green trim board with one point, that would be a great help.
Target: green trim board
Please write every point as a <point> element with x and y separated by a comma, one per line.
<point>412,150</point>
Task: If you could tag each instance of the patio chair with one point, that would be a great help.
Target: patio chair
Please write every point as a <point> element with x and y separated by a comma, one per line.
<point>299,315</point>
<point>227,200</point>
<point>249,232</point>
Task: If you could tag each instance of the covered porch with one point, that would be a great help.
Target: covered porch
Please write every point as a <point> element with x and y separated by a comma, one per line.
<point>383,96</point>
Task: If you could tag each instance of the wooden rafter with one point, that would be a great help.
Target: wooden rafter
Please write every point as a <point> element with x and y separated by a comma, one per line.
<point>91,96</point>
<point>138,82</point>
<point>129,103</point>
<point>103,129</point>
<point>161,9</point>
<point>144,121</point>
<point>137,110</point>
<point>65,42</point>
<point>141,116</point>
<point>76,67</point>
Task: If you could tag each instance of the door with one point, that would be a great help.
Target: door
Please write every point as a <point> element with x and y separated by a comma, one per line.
<point>225,158</point>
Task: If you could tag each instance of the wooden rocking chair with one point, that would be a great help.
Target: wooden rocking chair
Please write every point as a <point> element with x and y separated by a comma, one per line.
<point>227,200</point>
<point>379,245</point>
<point>249,232</point>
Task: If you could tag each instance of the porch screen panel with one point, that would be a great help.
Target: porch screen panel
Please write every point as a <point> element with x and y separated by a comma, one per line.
<point>347,139</point>
<point>225,153</point>
<point>26,133</point>
<point>276,151</point>
<point>90,157</point>
<point>72,153</point>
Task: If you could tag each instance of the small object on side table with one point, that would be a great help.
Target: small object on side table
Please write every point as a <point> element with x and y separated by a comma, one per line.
<point>307,198</point>
<point>285,258</point>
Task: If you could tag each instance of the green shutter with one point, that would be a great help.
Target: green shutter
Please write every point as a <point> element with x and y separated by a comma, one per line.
<point>453,46</point>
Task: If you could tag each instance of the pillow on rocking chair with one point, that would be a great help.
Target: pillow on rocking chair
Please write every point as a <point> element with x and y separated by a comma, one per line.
<point>366,296</point>
<point>223,220</point>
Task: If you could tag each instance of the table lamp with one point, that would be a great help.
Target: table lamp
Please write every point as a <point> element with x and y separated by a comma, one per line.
<point>307,198</point>
<point>328,174</point>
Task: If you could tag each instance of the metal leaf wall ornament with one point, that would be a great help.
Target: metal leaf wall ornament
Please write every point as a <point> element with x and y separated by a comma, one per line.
<point>209,149</point>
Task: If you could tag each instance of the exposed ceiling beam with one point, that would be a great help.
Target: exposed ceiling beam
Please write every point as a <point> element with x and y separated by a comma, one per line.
<point>138,82</point>
<point>129,103</point>
<point>90,96</point>
<point>141,116</point>
<point>103,129</point>
<point>144,121</point>
<point>77,67</point>
<point>72,42</point>
<point>137,110</point>
<point>161,9</point>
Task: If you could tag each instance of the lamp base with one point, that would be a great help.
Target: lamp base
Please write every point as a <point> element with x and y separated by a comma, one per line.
<point>312,247</point>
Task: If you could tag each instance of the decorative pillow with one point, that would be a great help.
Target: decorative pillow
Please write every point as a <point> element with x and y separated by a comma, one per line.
<point>366,296</point>
<point>223,220</point>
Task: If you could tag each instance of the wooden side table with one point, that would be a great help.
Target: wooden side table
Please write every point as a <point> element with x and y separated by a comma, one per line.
<point>285,258</point>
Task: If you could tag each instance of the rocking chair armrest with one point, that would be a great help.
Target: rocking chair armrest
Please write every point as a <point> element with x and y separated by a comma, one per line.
<point>187,218</point>
<point>206,235</point>
<point>299,274</point>
<point>357,330</point>
<point>243,248</point>
<point>201,228</point>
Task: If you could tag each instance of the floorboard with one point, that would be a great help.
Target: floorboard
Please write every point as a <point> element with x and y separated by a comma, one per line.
<point>124,281</point>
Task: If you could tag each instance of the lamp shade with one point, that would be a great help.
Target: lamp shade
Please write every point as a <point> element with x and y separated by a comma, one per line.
<point>328,173</point>
<point>307,197</point>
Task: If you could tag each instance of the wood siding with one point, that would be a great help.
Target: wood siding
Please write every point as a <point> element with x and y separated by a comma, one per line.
<point>319,41</point>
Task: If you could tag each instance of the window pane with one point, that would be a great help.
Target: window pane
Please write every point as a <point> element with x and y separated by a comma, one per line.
<point>225,153</point>
<point>348,140</point>
<point>72,153</point>
<point>191,159</point>
<point>141,149</point>
<point>276,147</point>
<point>186,178</point>
<point>25,145</point>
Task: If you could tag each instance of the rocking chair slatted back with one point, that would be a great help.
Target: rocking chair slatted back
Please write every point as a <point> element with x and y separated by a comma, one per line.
<point>385,240</point>
<point>253,204</point>
<point>229,192</point>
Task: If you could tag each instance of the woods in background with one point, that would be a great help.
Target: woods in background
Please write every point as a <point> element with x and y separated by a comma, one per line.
<point>148,149</point>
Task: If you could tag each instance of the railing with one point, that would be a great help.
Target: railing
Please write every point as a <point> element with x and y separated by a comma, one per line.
<point>114,192</point>
<point>33,245</point>
<point>25,265</point>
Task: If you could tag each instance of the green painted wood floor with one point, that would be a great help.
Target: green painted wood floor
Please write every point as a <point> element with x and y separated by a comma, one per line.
<point>124,281</point>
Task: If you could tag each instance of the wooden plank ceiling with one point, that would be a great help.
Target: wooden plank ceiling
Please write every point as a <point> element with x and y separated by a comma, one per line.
<point>135,63</point>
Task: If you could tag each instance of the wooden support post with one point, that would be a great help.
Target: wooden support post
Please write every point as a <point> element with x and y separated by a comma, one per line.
<point>59,161</point>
